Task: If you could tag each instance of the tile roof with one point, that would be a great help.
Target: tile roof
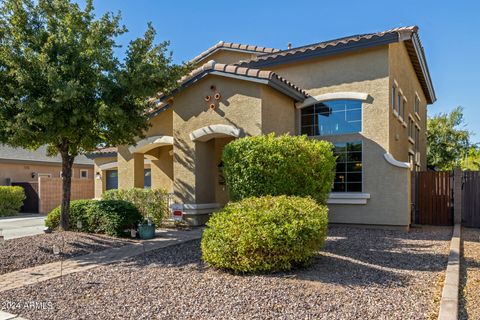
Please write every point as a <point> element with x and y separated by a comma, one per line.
<point>329,43</point>
<point>212,67</point>
<point>103,152</point>
<point>39,155</point>
<point>234,47</point>
<point>408,34</point>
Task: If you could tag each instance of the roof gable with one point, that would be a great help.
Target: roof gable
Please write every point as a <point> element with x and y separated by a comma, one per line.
<point>229,46</point>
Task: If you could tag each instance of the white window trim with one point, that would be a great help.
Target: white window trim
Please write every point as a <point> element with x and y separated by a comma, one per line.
<point>48,175</point>
<point>348,198</point>
<point>83,170</point>
<point>394,162</point>
<point>362,96</point>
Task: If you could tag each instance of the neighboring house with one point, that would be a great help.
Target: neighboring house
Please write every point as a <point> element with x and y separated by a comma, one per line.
<point>40,175</point>
<point>367,94</point>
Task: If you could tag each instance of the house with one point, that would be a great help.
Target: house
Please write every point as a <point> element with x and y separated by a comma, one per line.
<point>40,176</point>
<point>367,94</point>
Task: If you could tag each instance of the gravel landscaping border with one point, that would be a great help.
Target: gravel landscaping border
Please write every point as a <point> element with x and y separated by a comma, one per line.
<point>470,275</point>
<point>26,252</point>
<point>361,274</point>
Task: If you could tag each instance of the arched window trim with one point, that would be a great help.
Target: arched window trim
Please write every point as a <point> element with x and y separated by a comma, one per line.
<point>362,96</point>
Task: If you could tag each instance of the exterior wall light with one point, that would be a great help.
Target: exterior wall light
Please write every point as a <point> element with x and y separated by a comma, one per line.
<point>98,176</point>
<point>33,175</point>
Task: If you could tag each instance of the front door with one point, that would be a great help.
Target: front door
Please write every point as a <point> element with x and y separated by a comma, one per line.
<point>112,179</point>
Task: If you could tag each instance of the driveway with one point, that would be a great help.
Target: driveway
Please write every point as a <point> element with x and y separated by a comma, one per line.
<point>22,226</point>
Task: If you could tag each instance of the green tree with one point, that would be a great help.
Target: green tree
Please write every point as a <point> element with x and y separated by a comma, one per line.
<point>448,141</point>
<point>472,160</point>
<point>62,85</point>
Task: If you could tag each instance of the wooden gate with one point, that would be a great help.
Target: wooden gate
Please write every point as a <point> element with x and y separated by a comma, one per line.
<point>471,199</point>
<point>30,205</point>
<point>433,198</point>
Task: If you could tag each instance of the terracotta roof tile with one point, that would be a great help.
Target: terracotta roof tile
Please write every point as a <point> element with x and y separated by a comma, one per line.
<point>329,43</point>
<point>211,66</point>
<point>235,46</point>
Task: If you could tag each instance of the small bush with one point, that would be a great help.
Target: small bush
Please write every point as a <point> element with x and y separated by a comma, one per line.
<point>265,234</point>
<point>151,203</point>
<point>285,165</point>
<point>112,217</point>
<point>11,200</point>
<point>78,210</point>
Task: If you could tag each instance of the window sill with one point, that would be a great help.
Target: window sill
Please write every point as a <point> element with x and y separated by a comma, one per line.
<point>411,140</point>
<point>395,113</point>
<point>417,115</point>
<point>404,124</point>
<point>348,198</point>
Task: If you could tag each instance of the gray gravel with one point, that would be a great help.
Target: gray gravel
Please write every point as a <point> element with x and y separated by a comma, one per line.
<point>470,274</point>
<point>361,274</point>
<point>21,253</point>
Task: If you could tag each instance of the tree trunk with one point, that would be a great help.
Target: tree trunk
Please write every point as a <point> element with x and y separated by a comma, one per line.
<point>67,163</point>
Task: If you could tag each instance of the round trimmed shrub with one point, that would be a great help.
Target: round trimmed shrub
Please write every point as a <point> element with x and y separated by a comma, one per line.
<point>265,234</point>
<point>78,210</point>
<point>113,217</point>
<point>11,200</point>
<point>285,165</point>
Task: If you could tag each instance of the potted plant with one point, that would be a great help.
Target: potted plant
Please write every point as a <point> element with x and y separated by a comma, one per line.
<point>146,229</point>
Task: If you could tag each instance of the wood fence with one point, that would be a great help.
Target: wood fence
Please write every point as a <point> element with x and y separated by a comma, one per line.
<point>471,199</point>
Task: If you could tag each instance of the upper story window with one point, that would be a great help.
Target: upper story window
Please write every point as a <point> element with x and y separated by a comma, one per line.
<point>332,118</point>
<point>404,107</point>
<point>416,104</point>
<point>399,104</point>
<point>348,175</point>
<point>83,174</point>
<point>394,96</point>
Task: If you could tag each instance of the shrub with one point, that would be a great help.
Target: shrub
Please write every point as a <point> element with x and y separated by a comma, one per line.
<point>78,210</point>
<point>285,165</point>
<point>112,217</point>
<point>265,234</point>
<point>151,203</point>
<point>11,200</point>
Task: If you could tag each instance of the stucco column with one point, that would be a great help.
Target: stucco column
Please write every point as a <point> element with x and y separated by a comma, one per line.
<point>457,195</point>
<point>130,169</point>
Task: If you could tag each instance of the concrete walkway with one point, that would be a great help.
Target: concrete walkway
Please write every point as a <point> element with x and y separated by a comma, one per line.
<point>22,226</point>
<point>49,271</point>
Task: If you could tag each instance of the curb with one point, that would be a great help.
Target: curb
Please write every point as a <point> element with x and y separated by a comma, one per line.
<point>450,293</point>
<point>9,316</point>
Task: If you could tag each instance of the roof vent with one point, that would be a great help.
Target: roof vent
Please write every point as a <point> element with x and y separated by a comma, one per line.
<point>289,45</point>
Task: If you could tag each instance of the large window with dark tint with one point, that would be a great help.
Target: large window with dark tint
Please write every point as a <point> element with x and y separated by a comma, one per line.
<point>348,176</point>
<point>147,180</point>
<point>332,118</point>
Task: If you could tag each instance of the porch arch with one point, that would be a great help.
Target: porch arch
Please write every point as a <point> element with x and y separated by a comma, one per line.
<point>150,143</point>
<point>214,131</point>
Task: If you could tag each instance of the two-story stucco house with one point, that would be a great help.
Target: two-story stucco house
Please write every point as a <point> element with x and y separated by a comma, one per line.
<point>367,94</point>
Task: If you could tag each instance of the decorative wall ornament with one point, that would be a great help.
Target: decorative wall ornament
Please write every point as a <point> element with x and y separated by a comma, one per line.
<point>213,99</point>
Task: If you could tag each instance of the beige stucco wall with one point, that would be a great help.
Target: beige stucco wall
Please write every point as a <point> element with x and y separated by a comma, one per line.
<point>227,57</point>
<point>21,171</point>
<point>365,71</point>
<point>278,112</point>
<point>401,70</point>
<point>194,162</point>
<point>162,167</point>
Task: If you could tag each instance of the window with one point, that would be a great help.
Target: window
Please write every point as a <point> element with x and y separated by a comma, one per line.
<point>147,180</point>
<point>416,105</point>
<point>394,96</point>
<point>83,174</point>
<point>411,128</point>
<point>332,117</point>
<point>348,176</point>
<point>417,138</point>
<point>404,106</point>
<point>399,104</point>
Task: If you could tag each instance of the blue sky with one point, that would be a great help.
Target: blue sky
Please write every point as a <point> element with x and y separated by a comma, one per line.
<point>448,30</point>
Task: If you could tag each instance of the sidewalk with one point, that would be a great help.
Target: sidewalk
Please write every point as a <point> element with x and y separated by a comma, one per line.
<point>165,238</point>
<point>22,225</point>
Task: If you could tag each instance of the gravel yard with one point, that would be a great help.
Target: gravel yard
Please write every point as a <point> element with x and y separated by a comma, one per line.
<point>32,251</point>
<point>470,275</point>
<point>361,274</point>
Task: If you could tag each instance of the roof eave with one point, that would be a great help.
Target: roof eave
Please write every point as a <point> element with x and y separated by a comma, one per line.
<point>420,55</point>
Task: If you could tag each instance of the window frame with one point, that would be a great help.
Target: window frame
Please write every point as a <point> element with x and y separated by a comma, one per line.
<point>300,118</point>
<point>84,170</point>
<point>362,171</point>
